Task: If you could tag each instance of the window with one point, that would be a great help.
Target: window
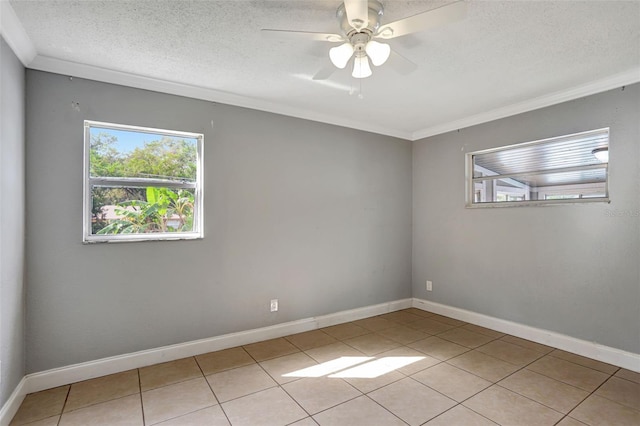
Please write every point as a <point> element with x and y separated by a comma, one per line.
<point>565,169</point>
<point>141,184</point>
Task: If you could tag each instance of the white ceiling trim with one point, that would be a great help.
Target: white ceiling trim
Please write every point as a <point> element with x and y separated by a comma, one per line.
<point>617,80</point>
<point>44,63</point>
<point>14,34</point>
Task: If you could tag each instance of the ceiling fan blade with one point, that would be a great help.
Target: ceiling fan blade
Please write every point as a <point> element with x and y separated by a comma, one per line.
<point>324,73</point>
<point>423,21</point>
<point>357,13</point>
<point>333,38</point>
<point>401,64</point>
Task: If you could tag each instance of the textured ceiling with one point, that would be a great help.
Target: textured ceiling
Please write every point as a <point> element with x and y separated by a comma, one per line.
<point>504,53</point>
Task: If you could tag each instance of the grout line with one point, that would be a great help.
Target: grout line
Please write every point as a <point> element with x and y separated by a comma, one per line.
<point>140,394</point>
<point>66,398</point>
<point>386,409</point>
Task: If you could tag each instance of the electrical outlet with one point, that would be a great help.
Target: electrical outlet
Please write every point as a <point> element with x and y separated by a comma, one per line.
<point>274,305</point>
<point>429,286</point>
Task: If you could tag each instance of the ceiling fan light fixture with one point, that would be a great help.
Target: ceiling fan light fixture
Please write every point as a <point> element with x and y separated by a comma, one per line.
<point>602,154</point>
<point>378,52</point>
<point>361,68</point>
<point>340,55</point>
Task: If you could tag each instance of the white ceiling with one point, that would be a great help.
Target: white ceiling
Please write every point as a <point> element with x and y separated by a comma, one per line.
<point>506,57</point>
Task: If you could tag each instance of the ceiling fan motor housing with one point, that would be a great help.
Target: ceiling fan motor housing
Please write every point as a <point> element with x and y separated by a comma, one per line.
<point>375,12</point>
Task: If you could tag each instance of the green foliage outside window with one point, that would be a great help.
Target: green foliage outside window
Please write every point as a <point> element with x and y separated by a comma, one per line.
<point>143,209</point>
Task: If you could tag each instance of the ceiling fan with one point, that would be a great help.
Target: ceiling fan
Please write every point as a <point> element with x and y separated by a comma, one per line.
<point>360,30</point>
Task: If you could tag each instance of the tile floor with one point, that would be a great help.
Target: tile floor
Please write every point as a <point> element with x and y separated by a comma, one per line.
<point>407,367</point>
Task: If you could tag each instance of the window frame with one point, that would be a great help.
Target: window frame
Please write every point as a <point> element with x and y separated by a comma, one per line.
<point>470,190</point>
<point>88,182</point>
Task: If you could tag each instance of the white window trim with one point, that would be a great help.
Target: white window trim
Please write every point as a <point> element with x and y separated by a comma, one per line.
<point>88,181</point>
<point>470,181</point>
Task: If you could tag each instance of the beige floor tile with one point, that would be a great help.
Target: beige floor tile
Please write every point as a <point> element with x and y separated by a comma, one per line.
<point>40,405</point>
<point>317,394</point>
<point>210,416</point>
<point>420,312</point>
<point>401,317</point>
<point>375,323</point>
<point>125,411</point>
<point>568,372</point>
<point>465,337</point>
<point>552,393</point>
<point>447,320</point>
<point>268,349</point>
<point>49,421</point>
<point>482,330</point>
<point>628,375</point>
<point>569,421</point>
<point>345,331</point>
<point>403,334</point>
<point>584,361</point>
<point>239,382</point>
<point>527,344</point>
<point>215,362</point>
<point>361,411</point>
<point>101,389</point>
<point>460,416</point>
<point>485,366</point>
<point>371,344</point>
<point>176,400</point>
<point>508,408</point>
<point>308,421</point>
<point>415,360</point>
<point>429,326</point>
<point>369,384</point>
<point>265,408</point>
<point>596,411</point>
<point>513,354</point>
<point>451,381</point>
<point>167,373</point>
<point>311,339</point>
<point>621,391</point>
<point>331,352</point>
<point>438,348</point>
<point>413,402</point>
<point>278,368</point>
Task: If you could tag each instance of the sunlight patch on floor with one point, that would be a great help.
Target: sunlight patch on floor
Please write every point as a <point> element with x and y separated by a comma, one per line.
<point>377,368</point>
<point>329,367</point>
<point>356,367</point>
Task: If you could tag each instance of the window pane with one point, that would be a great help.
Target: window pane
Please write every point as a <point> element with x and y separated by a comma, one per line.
<point>126,153</point>
<point>141,183</point>
<point>527,189</point>
<point>131,210</point>
<point>562,168</point>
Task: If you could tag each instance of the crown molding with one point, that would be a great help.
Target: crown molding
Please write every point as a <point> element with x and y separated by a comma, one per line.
<point>16,37</point>
<point>598,86</point>
<point>59,66</point>
<point>14,34</point>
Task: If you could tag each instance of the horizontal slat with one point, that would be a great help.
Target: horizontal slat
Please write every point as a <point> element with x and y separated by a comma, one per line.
<point>140,183</point>
<point>550,154</point>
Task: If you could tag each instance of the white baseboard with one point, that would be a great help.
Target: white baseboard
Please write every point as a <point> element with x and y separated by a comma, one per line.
<point>10,408</point>
<point>620,358</point>
<point>88,370</point>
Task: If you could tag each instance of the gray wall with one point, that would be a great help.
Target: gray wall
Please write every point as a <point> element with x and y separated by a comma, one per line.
<point>12,294</point>
<point>315,215</point>
<point>573,269</point>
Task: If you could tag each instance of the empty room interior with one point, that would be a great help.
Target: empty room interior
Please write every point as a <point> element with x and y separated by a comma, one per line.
<point>320,212</point>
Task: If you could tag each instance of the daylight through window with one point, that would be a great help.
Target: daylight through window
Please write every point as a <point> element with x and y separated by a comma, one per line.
<point>572,168</point>
<point>141,183</point>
